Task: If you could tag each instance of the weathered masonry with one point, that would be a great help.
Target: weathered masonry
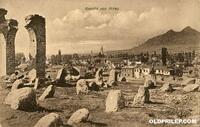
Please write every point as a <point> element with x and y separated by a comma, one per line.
<point>35,26</point>
<point>8,29</point>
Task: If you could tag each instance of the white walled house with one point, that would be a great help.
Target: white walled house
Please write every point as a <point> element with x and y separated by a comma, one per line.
<point>136,72</point>
<point>161,70</point>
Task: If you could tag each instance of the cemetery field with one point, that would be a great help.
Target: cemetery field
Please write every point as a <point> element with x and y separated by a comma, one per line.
<point>65,101</point>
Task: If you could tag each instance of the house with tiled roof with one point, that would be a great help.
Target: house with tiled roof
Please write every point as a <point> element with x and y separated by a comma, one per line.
<point>142,70</point>
<point>163,70</point>
<point>127,71</point>
<point>136,72</point>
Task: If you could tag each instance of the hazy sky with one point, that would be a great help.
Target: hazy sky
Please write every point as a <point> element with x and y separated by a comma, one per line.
<point>73,29</point>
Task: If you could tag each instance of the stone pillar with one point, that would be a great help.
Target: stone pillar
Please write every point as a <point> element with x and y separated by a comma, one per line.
<point>8,27</point>
<point>35,25</point>
<point>10,47</point>
<point>112,76</point>
<point>2,55</point>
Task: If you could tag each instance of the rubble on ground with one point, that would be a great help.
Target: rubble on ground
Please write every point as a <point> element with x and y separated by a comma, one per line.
<point>49,92</point>
<point>61,75</point>
<point>114,101</point>
<point>17,84</point>
<point>81,86</point>
<point>122,79</point>
<point>149,82</point>
<point>93,86</point>
<point>112,76</point>
<point>191,88</point>
<point>32,75</point>
<point>167,87</point>
<point>187,81</point>
<point>80,115</point>
<point>50,120</point>
<point>142,96</point>
<point>98,77</point>
<point>22,99</point>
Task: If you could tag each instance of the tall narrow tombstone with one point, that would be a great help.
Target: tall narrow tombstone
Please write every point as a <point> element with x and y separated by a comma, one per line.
<point>8,29</point>
<point>112,76</point>
<point>35,25</point>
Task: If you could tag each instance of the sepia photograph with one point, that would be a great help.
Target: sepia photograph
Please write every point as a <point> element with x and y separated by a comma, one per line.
<point>99,63</point>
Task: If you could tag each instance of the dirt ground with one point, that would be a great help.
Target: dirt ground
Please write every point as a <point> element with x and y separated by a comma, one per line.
<point>164,105</point>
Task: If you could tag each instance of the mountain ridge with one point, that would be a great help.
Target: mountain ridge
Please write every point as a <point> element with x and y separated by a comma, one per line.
<point>184,40</point>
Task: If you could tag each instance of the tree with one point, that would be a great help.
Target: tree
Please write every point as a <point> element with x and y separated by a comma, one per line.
<point>193,54</point>
<point>53,59</point>
<point>164,56</point>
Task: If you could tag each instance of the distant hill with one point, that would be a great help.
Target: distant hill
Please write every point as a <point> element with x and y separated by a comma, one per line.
<point>186,40</point>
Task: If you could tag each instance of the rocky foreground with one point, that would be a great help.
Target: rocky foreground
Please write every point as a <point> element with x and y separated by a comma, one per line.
<point>65,105</point>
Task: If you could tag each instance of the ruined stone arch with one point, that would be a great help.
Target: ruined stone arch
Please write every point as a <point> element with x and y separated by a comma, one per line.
<point>35,25</point>
<point>8,29</point>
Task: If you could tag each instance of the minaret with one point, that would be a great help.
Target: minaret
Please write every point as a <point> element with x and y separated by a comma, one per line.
<point>101,50</point>
<point>59,57</point>
<point>91,53</point>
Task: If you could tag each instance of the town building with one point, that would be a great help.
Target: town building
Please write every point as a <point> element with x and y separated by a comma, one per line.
<point>136,72</point>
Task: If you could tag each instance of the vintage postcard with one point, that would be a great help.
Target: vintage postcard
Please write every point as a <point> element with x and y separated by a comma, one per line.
<point>99,63</point>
